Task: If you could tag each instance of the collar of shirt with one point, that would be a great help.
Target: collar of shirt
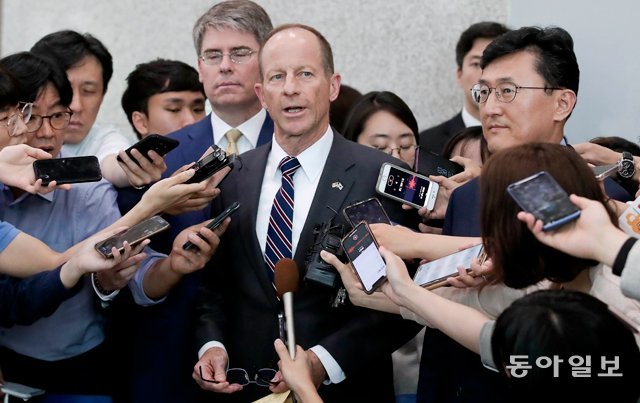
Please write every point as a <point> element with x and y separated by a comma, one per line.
<point>250,129</point>
<point>311,160</point>
<point>468,119</point>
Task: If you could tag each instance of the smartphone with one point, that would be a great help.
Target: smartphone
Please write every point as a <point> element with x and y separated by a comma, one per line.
<point>215,223</point>
<point>543,197</point>
<point>370,211</point>
<point>133,235</point>
<point>430,163</point>
<point>362,249</point>
<point>20,391</point>
<point>406,186</point>
<point>210,164</point>
<point>434,274</point>
<point>68,170</point>
<point>160,144</point>
<point>603,171</point>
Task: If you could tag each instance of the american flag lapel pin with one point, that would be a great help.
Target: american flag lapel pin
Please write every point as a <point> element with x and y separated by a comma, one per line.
<point>337,185</point>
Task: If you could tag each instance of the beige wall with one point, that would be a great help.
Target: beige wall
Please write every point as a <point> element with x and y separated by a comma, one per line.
<point>405,46</point>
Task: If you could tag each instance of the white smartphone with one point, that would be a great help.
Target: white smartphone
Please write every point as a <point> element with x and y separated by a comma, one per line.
<point>406,186</point>
<point>20,391</point>
<point>434,274</point>
<point>362,250</point>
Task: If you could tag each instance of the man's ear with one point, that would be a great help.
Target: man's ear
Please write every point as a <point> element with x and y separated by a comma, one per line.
<point>258,89</point>
<point>140,122</point>
<point>334,89</point>
<point>565,103</point>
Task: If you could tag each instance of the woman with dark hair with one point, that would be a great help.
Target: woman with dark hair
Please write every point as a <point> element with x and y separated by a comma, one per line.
<point>382,120</point>
<point>468,143</point>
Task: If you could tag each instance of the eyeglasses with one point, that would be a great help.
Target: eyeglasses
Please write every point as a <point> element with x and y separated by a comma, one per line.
<point>58,120</point>
<point>238,56</point>
<point>403,151</point>
<point>240,376</point>
<point>23,111</point>
<point>505,92</point>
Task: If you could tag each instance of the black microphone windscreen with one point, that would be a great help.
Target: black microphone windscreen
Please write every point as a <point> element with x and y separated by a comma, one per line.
<point>286,276</point>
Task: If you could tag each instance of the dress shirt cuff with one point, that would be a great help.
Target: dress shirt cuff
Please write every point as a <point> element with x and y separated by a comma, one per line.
<point>100,291</point>
<point>209,345</point>
<point>136,284</point>
<point>331,366</point>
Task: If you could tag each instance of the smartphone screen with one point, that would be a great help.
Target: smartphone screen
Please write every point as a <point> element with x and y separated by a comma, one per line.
<point>362,250</point>
<point>543,197</point>
<point>370,211</point>
<point>68,170</point>
<point>215,223</point>
<point>133,235</point>
<point>437,271</point>
<point>406,186</point>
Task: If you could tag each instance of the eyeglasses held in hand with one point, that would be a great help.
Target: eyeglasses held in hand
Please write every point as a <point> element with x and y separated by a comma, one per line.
<point>58,120</point>
<point>240,376</point>
<point>238,56</point>
<point>505,92</point>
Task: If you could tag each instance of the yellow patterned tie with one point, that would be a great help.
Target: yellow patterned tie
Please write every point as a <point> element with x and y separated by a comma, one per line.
<point>232,138</point>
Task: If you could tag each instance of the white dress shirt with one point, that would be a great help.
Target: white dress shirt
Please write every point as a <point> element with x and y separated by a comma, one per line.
<point>468,119</point>
<point>250,131</point>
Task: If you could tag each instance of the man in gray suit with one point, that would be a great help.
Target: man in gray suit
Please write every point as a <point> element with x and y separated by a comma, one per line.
<point>349,348</point>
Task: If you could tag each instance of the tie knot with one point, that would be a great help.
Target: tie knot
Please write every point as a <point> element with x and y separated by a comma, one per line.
<point>289,166</point>
<point>233,135</point>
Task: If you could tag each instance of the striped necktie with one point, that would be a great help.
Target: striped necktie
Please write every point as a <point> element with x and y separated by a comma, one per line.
<point>281,219</point>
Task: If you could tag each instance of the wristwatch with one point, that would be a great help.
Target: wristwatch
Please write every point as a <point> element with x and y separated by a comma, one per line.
<point>626,165</point>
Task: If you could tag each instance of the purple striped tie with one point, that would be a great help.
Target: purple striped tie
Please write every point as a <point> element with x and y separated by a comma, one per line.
<point>281,219</point>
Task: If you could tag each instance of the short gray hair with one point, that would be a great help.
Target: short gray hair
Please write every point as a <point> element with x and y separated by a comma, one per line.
<point>241,15</point>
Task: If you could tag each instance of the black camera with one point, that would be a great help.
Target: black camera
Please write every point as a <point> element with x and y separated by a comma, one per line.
<point>326,236</point>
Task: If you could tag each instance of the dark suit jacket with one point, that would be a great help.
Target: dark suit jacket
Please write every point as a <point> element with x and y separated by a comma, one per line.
<point>435,138</point>
<point>239,306</point>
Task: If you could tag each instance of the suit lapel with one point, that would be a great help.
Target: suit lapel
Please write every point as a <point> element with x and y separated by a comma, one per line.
<point>266,132</point>
<point>338,177</point>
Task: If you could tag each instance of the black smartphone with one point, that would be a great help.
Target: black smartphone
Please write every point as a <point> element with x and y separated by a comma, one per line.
<point>362,250</point>
<point>133,235</point>
<point>430,163</point>
<point>543,197</point>
<point>370,211</point>
<point>210,164</point>
<point>160,144</point>
<point>215,223</point>
<point>434,274</point>
<point>406,186</point>
<point>20,391</point>
<point>68,170</point>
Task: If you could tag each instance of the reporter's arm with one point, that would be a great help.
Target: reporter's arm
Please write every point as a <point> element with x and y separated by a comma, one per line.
<point>26,255</point>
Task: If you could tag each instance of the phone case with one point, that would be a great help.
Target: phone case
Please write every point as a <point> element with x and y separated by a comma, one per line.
<point>430,163</point>
<point>434,274</point>
<point>68,170</point>
<point>160,144</point>
<point>133,235</point>
<point>210,164</point>
<point>215,223</point>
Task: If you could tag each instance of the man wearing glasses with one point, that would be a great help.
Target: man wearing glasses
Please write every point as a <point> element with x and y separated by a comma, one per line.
<point>526,93</point>
<point>227,39</point>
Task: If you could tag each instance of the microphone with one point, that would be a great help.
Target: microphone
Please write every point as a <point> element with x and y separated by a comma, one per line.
<point>286,281</point>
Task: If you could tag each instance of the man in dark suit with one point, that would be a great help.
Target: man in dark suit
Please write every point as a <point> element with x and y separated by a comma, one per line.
<point>227,39</point>
<point>349,348</point>
<point>519,102</point>
<point>468,53</point>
